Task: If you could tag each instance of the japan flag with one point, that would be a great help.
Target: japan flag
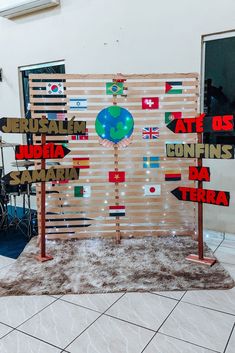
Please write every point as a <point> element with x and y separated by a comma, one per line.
<point>152,190</point>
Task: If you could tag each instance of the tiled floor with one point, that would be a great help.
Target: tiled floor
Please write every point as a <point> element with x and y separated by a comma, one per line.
<point>165,322</point>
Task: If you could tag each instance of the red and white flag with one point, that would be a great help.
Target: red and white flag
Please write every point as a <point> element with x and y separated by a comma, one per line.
<point>150,103</point>
<point>117,211</point>
<point>116,177</point>
<point>152,190</point>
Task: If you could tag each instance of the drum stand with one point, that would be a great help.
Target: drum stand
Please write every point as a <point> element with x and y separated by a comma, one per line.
<point>28,212</point>
<point>16,222</point>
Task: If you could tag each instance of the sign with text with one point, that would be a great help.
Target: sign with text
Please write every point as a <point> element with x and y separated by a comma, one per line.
<point>47,151</point>
<point>42,126</point>
<point>41,175</point>
<point>199,173</point>
<point>202,123</point>
<point>199,150</point>
<point>213,197</point>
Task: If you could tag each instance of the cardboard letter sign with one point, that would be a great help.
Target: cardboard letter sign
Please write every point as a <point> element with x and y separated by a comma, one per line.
<point>47,151</point>
<point>199,173</point>
<point>42,126</point>
<point>202,123</point>
<point>199,150</point>
<point>41,175</point>
<point>213,197</point>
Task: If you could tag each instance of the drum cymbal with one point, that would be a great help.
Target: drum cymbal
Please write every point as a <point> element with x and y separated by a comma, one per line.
<point>22,164</point>
<point>8,144</point>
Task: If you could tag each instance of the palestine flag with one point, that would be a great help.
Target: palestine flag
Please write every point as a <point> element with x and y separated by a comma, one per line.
<point>169,116</point>
<point>172,175</point>
<point>173,87</point>
<point>114,88</point>
<point>117,211</point>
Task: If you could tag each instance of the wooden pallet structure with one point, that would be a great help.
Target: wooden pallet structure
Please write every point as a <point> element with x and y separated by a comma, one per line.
<point>69,216</point>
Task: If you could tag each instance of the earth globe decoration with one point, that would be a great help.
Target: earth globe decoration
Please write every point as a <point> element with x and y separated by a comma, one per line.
<point>114,124</point>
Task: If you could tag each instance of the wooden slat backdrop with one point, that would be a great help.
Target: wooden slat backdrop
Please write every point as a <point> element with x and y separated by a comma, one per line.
<point>69,217</point>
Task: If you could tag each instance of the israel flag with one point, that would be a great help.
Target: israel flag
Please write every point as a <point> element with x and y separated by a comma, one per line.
<point>78,103</point>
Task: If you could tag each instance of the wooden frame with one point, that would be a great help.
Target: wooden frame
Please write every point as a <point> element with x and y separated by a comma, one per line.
<point>69,217</point>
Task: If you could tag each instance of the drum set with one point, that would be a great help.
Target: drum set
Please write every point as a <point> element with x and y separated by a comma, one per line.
<point>15,200</point>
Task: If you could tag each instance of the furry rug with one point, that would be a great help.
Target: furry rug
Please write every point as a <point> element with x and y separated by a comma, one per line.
<point>100,266</point>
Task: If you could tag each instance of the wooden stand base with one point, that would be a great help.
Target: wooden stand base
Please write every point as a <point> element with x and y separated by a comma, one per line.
<point>205,261</point>
<point>44,258</point>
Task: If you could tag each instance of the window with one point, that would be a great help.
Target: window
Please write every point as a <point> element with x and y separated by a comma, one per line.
<point>57,67</point>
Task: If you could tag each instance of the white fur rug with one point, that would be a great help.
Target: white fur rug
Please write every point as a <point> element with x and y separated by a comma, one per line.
<point>100,266</point>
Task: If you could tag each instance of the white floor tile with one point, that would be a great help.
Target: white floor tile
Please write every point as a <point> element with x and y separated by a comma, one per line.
<point>99,302</point>
<point>231,344</point>
<point>4,330</point>
<point>212,234</point>
<point>109,335</point>
<point>4,261</point>
<point>200,326</point>
<point>4,270</point>
<point>171,294</point>
<point>15,310</point>
<point>225,254</point>
<point>230,268</point>
<point>165,344</point>
<point>145,309</point>
<point>230,236</point>
<point>213,243</point>
<point>60,323</point>
<point>17,342</point>
<point>229,243</point>
<point>223,300</point>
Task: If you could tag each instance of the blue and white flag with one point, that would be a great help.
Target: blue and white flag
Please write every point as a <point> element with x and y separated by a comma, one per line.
<point>78,103</point>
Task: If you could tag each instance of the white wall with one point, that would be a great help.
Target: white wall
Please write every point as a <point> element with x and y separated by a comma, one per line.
<point>128,36</point>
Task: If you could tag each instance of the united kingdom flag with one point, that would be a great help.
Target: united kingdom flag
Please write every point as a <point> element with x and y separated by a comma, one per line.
<point>150,133</point>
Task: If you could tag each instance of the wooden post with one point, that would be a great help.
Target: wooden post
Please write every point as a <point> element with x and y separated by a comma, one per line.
<point>117,227</point>
<point>199,258</point>
<point>200,209</point>
<point>43,256</point>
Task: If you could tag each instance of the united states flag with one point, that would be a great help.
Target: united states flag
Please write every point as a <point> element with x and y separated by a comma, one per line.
<point>56,116</point>
<point>150,133</point>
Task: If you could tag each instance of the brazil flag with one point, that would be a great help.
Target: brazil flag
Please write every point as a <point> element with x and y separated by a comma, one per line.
<point>114,88</point>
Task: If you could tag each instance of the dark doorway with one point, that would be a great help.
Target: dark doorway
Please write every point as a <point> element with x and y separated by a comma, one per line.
<point>219,85</point>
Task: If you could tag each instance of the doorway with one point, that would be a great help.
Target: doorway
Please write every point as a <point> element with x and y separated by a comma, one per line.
<point>218,81</point>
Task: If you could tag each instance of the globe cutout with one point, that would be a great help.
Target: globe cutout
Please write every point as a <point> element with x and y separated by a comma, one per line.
<point>114,124</point>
